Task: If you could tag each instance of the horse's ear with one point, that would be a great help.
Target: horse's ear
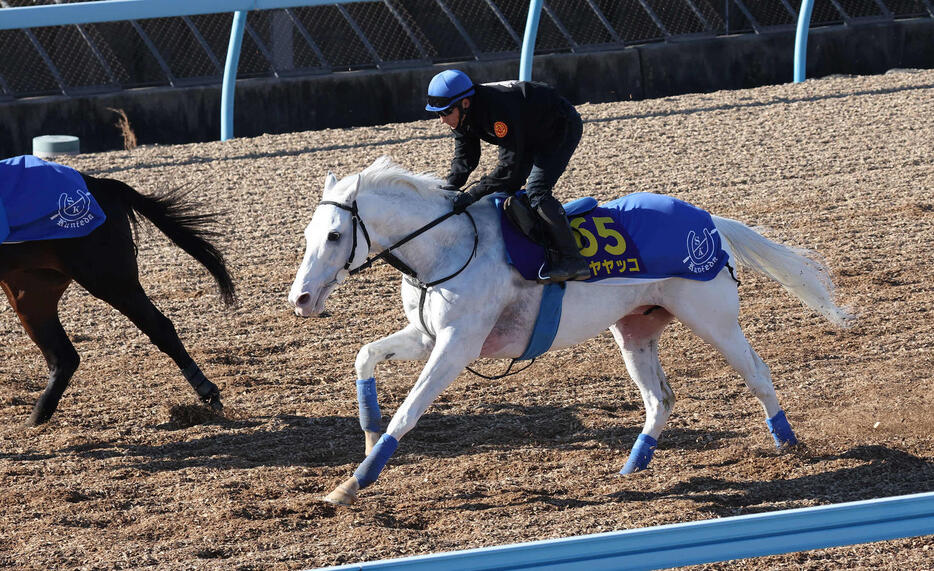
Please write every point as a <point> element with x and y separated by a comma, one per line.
<point>356,184</point>
<point>329,181</point>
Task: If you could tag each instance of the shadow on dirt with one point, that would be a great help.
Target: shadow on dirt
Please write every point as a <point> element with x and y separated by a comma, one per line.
<point>513,426</point>
<point>888,472</point>
<point>286,440</point>
<point>336,441</point>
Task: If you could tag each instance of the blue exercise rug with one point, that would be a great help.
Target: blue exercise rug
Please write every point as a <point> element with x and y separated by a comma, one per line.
<point>40,200</point>
<point>641,235</point>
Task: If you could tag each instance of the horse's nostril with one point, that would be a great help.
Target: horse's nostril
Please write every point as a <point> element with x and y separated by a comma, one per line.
<point>303,299</point>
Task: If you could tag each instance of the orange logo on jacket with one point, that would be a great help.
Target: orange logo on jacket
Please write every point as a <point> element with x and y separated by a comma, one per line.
<point>500,129</point>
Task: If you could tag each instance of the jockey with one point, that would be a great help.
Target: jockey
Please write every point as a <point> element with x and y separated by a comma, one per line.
<point>536,131</point>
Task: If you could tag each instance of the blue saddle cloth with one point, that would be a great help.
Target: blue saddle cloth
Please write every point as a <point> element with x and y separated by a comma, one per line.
<point>41,200</point>
<point>641,235</point>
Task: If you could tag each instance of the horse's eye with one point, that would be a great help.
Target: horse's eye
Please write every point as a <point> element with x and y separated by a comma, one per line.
<point>334,236</point>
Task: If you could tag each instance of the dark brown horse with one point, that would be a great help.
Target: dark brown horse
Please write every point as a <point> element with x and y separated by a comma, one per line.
<point>35,274</point>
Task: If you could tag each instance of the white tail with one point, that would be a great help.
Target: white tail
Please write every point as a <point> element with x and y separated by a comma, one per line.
<point>804,277</point>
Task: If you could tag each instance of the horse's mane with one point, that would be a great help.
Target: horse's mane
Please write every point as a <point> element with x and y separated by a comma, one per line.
<point>384,172</point>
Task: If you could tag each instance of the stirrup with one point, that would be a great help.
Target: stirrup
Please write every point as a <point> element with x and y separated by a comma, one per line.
<point>582,275</point>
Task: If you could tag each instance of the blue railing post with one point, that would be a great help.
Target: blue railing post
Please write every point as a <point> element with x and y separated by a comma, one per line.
<point>230,74</point>
<point>528,40</point>
<point>801,39</point>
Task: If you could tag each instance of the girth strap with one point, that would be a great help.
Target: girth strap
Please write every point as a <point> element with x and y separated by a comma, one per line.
<point>423,295</point>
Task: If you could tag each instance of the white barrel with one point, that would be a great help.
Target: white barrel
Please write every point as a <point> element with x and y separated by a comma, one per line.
<point>52,145</point>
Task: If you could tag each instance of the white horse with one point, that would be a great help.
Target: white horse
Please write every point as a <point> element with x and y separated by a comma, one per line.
<point>488,310</point>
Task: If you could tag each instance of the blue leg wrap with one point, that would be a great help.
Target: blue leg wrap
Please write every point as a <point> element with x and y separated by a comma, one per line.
<point>369,407</point>
<point>370,468</point>
<point>642,452</point>
<point>781,430</point>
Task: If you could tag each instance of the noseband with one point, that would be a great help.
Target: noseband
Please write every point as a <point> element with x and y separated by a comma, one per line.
<point>387,254</point>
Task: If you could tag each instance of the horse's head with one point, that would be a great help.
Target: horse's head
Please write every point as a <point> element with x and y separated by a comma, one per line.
<point>338,242</point>
<point>334,243</point>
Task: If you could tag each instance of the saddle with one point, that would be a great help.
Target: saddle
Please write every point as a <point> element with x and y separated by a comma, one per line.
<point>518,210</point>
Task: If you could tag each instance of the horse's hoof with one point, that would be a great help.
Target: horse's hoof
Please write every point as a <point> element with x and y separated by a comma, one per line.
<point>214,401</point>
<point>38,418</point>
<point>788,446</point>
<point>345,494</point>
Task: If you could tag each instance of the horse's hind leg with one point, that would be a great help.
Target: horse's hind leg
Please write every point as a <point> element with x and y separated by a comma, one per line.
<point>104,263</point>
<point>34,296</point>
<point>404,345</point>
<point>122,290</point>
<point>637,336</point>
<point>712,312</point>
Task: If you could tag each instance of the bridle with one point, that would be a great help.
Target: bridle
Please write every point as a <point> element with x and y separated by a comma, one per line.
<point>387,254</point>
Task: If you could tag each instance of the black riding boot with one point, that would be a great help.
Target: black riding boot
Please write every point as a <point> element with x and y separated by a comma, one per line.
<point>570,265</point>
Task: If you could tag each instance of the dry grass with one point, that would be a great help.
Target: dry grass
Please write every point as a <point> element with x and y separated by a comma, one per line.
<point>123,123</point>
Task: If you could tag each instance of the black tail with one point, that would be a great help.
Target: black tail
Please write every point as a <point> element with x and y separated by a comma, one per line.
<point>178,219</point>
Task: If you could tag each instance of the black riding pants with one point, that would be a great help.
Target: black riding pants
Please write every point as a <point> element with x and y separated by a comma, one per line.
<point>549,166</point>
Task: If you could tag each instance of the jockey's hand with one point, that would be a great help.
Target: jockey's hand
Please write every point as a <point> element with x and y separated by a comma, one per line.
<point>462,201</point>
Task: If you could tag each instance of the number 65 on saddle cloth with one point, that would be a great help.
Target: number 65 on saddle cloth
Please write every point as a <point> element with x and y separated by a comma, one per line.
<point>641,235</point>
<point>41,200</point>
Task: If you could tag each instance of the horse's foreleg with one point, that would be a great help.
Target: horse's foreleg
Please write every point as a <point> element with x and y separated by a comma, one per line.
<point>714,317</point>
<point>446,361</point>
<point>34,297</point>
<point>406,344</point>
<point>637,336</point>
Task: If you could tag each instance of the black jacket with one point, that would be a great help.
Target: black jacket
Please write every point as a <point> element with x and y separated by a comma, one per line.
<point>522,118</point>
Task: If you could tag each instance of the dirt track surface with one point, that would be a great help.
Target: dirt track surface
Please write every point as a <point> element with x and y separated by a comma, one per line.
<point>129,475</point>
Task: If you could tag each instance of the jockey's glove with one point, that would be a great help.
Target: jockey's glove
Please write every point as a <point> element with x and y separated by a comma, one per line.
<point>462,201</point>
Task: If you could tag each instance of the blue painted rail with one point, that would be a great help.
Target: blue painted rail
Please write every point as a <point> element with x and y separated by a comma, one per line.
<point>801,39</point>
<point>693,543</point>
<point>117,10</point>
<point>528,40</point>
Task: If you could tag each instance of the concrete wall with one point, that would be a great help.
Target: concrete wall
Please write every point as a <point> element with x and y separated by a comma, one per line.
<point>185,115</point>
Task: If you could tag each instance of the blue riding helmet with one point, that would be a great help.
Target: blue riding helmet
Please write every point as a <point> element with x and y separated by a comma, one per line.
<point>447,88</point>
